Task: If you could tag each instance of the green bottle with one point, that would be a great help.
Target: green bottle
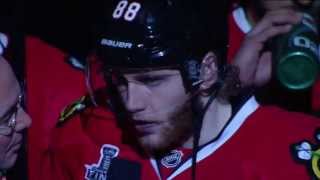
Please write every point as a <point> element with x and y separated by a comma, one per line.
<point>296,55</point>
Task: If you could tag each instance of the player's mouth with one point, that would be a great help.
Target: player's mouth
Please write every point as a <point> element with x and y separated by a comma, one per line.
<point>146,127</point>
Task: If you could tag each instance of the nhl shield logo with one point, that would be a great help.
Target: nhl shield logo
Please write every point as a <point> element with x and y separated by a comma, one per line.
<point>99,171</point>
<point>172,159</point>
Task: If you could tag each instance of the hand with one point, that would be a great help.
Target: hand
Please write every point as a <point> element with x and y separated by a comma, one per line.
<point>255,64</point>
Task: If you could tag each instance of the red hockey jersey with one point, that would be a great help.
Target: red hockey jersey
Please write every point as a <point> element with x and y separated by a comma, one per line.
<point>238,27</point>
<point>51,85</point>
<point>90,146</point>
<point>258,143</point>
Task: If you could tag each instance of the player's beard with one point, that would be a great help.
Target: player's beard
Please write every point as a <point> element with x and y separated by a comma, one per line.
<point>177,131</point>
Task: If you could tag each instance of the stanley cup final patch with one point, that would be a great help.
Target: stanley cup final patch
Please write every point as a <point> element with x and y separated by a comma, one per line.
<point>99,171</point>
<point>172,159</point>
<point>308,154</point>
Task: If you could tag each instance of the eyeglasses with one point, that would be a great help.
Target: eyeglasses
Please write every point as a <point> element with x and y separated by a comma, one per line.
<point>9,120</point>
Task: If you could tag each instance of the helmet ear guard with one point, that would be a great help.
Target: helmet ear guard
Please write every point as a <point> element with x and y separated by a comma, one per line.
<point>192,72</point>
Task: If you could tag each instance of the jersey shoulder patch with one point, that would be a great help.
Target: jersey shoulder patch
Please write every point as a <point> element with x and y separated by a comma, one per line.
<point>74,108</point>
<point>308,153</point>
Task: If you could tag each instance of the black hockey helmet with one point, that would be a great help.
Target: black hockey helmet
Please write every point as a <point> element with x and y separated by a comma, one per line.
<point>160,33</point>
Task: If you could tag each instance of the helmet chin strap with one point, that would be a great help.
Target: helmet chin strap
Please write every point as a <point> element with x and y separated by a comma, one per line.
<point>198,121</point>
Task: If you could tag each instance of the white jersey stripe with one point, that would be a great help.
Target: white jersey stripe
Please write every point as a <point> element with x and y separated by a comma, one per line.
<point>240,18</point>
<point>249,107</point>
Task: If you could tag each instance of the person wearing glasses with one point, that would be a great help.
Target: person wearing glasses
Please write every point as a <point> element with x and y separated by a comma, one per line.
<point>13,119</point>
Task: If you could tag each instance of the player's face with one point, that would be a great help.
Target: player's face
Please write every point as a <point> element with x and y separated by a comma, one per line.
<point>10,135</point>
<point>158,107</point>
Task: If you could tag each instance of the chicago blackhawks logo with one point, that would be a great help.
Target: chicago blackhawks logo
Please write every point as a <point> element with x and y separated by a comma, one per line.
<point>99,171</point>
<point>309,154</point>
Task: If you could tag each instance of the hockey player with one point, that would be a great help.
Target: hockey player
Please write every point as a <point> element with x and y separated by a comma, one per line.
<point>179,114</point>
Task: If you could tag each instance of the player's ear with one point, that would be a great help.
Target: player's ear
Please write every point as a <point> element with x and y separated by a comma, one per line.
<point>208,72</point>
